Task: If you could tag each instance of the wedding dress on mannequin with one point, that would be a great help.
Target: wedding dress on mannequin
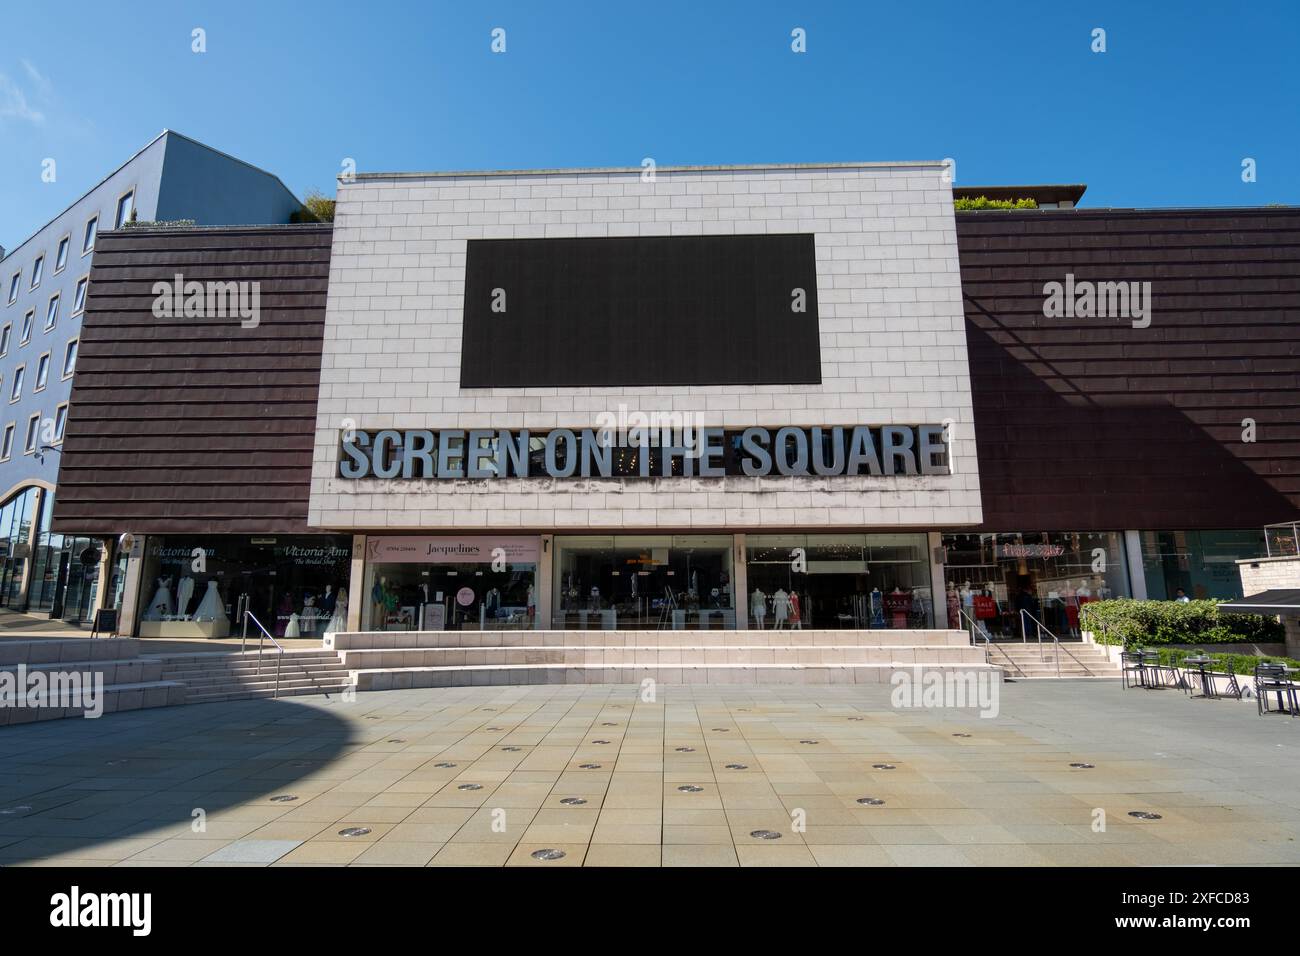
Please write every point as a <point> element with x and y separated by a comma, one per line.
<point>211,608</point>
<point>161,606</point>
<point>339,621</point>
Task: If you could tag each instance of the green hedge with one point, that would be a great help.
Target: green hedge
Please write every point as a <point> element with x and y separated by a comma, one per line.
<point>1149,623</point>
<point>962,203</point>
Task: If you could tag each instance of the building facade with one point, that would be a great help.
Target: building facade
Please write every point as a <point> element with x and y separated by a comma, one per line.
<point>811,313</point>
<point>46,293</point>
<point>742,397</point>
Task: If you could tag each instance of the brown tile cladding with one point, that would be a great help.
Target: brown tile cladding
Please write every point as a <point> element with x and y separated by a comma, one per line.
<point>196,424</point>
<point>1092,424</point>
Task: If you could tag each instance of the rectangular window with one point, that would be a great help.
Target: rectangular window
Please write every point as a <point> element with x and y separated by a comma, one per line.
<point>88,239</point>
<point>52,313</point>
<point>69,359</point>
<point>124,207</point>
<point>38,270</point>
<point>633,582</point>
<point>5,333</point>
<point>27,327</point>
<point>61,257</point>
<point>60,422</point>
<point>1203,564</point>
<point>1015,583</point>
<point>834,581</point>
<point>13,286</point>
<point>16,392</point>
<point>42,371</point>
<point>79,299</point>
<point>33,431</point>
<point>466,587</point>
<point>7,447</point>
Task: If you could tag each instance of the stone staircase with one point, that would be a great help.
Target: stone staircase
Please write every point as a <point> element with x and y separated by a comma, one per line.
<point>1026,660</point>
<point>84,675</point>
<point>218,676</point>
<point>398,660</point>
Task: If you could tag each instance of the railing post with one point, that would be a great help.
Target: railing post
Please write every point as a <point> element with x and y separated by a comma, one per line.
<point>243,640</point>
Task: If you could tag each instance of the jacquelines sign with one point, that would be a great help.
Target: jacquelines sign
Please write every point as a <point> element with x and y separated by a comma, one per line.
<point>687,453</point>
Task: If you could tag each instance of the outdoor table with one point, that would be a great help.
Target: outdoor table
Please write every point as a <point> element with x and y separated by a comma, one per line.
<point>1201,664</point>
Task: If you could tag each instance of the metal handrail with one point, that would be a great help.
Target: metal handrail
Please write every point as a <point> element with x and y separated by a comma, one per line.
<point>248,615</point>
<point>1056,641</point>
<point>267,635</point>
<point>978,629</point>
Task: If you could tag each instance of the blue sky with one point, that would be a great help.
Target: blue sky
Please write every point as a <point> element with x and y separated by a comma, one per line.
<point>1012,91</point>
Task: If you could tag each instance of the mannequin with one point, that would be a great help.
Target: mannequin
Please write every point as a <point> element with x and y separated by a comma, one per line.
<point>283,614</point>
<point>954,606</point>
<point>378,604</point>
<point>291,629</point>
<point>967,596</point>
<point>796,616</point>
<point>780,609</point>
<point>877,608</point>
<point>161,606</point>
<point>307,621</point>
<point>758,606</point>
<point>339,621</point>
<point>184,591</point>
<point>326,606</point>
<point>211,608</point>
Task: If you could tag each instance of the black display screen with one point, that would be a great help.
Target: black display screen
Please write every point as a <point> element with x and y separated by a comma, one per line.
<point>679,310</point>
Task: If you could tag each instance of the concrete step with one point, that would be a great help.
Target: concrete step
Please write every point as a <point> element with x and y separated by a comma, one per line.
<point>260,693</point>
<point>510,674</point>
<point>392,640</point>
<point>116,699</point>
<point>657,656</point>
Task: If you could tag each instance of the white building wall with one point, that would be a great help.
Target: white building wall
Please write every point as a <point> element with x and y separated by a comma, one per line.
<point>893,345</point>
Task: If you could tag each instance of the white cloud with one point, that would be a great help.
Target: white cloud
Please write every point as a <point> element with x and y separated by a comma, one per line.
<point>13,103</point>
<point>43,86</point>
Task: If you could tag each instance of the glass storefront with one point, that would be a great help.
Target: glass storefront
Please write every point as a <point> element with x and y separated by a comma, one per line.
<point>451,583</point>
<point>194,585</point>
<point>1202,563</point>
<point>643,582</point>
<point>838,581</point>
<point>1049,574</point>
<point>16,516</point>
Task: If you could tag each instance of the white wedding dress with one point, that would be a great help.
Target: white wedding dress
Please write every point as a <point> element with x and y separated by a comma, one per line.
<point>211,608</point>
<point>339,622</point>
<point>161,606</point>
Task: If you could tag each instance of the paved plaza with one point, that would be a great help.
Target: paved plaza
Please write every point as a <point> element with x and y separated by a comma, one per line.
<point>489,776</point>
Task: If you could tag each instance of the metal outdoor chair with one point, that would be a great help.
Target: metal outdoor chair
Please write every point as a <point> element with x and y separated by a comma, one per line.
<point>1233,687</point>
<point>1271,679</point>
<point>1131,664</point>
<point>1155,671</point>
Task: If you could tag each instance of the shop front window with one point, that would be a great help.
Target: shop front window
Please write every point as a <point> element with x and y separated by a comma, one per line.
<point>446,583</point>
<point>835,581</point>
<point>1202,563</point>
<point>196,585</point>
<point>643,582</point>
<point>1002,580</point>
<point>15,538</point>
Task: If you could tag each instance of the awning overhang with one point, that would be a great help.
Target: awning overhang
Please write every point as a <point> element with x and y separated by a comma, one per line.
<point>1279,601</point>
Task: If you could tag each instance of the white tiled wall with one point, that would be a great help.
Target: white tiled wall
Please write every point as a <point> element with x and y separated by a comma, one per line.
<point>893,344</point>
